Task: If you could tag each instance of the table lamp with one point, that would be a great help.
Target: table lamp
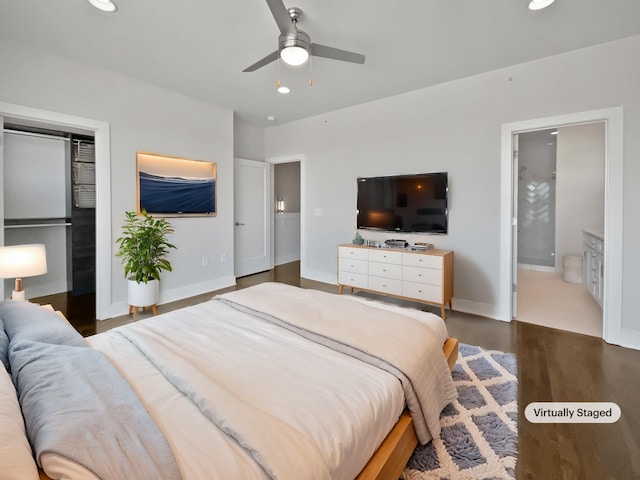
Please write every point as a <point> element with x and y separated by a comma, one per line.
<point>20,261</point>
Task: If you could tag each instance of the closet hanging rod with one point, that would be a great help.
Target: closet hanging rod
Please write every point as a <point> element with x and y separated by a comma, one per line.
<point>34,134</point>
<point>37,225</point>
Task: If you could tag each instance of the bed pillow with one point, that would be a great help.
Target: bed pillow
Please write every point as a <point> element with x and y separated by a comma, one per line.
<point>4,347</point>
<point>30,322</point>
<point>16,458</point>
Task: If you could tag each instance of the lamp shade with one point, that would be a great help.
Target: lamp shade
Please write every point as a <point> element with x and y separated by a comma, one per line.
<point>19,261</point>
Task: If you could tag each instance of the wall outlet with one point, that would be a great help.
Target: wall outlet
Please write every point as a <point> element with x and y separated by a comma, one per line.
<point>223,258</point>
<point>205,261</point>
<point>318,212</point>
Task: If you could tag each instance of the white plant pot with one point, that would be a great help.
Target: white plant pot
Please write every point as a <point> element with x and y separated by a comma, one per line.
<point>142,294</point>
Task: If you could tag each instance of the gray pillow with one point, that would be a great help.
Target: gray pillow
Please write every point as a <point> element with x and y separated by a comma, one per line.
<point>4,347</point>
<point>28,321</point>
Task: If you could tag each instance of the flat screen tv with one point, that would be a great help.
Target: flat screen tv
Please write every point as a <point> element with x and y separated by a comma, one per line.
<point>404,203</point>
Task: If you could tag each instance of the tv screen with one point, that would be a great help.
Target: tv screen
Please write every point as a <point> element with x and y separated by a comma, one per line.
<point>404,203</point>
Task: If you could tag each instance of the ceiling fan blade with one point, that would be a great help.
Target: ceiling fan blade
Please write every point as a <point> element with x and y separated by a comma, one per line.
<point>336,54</point>
<point>261,63</point>
<point>282,17</point>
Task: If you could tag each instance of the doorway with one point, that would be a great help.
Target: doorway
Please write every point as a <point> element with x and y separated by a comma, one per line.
<point>290,219</point>
<point>613,206</point>
<point>49,198</point>
<point>286,231</point>
<point>21,115</point>
<point>560,195</point>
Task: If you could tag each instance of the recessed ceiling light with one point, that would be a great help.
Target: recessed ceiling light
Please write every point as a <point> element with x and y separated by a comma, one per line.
<point>271,118</point>
<point>104,5</point>
<point>555,132</point>
<point>283,89</point>
<point>540,4</point>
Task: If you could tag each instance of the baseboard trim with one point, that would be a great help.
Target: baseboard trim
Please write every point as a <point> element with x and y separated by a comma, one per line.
<point>478,308</point>
<point>122,308</point>
<point>317,276</point>
<point>291,257</point>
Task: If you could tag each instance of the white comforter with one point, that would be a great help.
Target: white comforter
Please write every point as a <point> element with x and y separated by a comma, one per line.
<point>241,398</point>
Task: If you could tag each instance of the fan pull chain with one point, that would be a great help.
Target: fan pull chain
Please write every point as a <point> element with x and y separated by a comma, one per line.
<point>310,79</point>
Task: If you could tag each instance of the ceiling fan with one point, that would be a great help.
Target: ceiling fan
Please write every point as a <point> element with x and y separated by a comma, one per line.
<point>294,46</point>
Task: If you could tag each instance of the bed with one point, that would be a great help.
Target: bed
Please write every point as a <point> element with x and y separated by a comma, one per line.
<point>271,381</point>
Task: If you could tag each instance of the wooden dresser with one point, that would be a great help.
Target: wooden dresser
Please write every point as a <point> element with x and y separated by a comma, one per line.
<point>422,276</point>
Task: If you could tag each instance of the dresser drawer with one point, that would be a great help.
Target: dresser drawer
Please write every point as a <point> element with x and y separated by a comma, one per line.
<point>428,293</point>
<point>353,265</point>
<point>385,285</point>
<point>352,252</point>
<point>430,276</point>
<point>385,270</point>
<point>421,260</point>
<point>353,279</point>
<point>384,256</point>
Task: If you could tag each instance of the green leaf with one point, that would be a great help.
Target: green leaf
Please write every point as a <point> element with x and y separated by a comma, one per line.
<point>144,246</point>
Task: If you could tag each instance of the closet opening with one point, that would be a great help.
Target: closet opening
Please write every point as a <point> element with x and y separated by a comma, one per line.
<point>49,198</point>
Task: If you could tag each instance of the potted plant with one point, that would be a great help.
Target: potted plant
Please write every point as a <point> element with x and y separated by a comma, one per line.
<point>143,247</point>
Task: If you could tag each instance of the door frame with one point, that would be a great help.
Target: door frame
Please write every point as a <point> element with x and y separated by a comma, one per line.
<point>613,226</point>
<point>101,133</point>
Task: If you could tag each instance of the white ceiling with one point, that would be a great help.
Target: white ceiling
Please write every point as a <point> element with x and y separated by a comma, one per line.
<point>200,47</point>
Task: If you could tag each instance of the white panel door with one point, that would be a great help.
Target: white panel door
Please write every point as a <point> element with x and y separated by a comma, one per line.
<point>252,186</point>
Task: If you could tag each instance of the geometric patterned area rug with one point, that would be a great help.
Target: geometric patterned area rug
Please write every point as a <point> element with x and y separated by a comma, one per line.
<point>479,436</point>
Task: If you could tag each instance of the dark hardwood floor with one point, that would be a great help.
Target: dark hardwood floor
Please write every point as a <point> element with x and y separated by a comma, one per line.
<point>553,365</point>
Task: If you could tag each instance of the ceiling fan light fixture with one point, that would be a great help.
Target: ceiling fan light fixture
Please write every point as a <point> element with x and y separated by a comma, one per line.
<point>104,5</point>
<point>294,56</point>
<point>540,4</point>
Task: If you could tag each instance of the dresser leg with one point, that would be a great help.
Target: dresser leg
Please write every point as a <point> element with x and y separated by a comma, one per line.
<point>442,312</point>
<point>340,289</point>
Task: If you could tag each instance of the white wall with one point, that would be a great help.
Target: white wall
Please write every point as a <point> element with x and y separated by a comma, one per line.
<point>141,117</point>
<point>248,140</point>
<point>579,186</point>
<point>456,127</point>
<point>286,236</point>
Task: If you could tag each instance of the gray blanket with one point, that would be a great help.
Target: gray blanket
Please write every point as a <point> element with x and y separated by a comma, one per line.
<point>75,402</point>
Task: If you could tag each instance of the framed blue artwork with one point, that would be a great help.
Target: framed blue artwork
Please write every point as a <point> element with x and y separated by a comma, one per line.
<point>175,186</point>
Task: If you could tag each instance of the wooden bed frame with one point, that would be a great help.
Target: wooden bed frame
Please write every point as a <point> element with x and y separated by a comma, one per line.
<point>388,462</point>
<point>392,456</point>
